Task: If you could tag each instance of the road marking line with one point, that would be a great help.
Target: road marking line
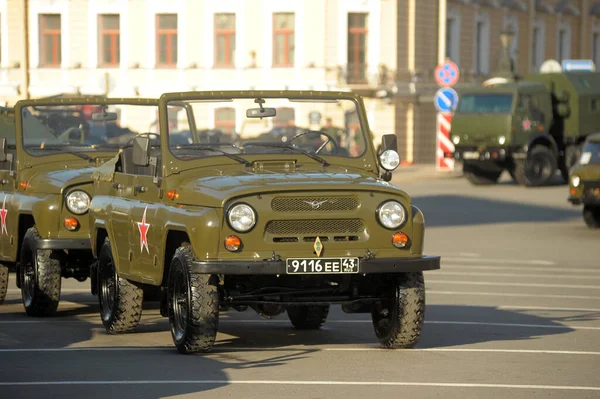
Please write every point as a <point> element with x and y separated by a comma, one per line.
<point>511,284</point>
<point>511,294</point>
<point>554,276</point>
<point>516,268</point>
<point>512,307</point>
<point>312,382</point>
<point>224,348</point>
<point>501,261</point>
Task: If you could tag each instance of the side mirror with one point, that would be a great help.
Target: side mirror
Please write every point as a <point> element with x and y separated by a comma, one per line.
<point>389,142</point>
<point>141,151</point>
<point>3,149</point>
<point>563,97</point>
<point>563,110</point>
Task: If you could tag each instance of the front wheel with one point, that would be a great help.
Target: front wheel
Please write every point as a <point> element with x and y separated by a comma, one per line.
<point>41,277</point>
<point>308,317</point>
<point>398,320</point>
<point>193,305</point>
<point>3,283</point>
<point>591,216</point>
<point>538,169</point>
<point>120,300</point>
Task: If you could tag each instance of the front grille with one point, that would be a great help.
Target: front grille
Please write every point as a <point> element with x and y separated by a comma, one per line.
<point>317,227</point>
<point>314,204</point>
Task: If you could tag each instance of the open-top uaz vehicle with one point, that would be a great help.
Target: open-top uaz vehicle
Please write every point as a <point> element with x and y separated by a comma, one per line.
<point>273,222</point>
<point>584,182</point>
<point>47,186</point>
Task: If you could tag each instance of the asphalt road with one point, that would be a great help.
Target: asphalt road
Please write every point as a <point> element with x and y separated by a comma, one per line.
<point>513,313</point>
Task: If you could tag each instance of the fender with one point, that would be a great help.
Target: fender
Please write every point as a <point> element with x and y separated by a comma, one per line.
<point>542,138</point>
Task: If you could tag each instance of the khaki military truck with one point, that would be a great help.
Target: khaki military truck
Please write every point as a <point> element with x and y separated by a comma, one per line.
<point>276,223</point>
<point>531,128</point>
<point>7,138</point>
<point>584,182</point>
<point>47,186</point>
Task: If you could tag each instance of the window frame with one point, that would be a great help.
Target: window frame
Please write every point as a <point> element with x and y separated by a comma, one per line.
<point>56,35</point>
<point>169,33</point>
<point>287,32</point>
<point>230,37</point>
<point>115,35</point>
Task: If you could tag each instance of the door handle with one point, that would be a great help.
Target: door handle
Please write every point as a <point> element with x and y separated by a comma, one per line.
<point>3,181</point>
<point>140,189</point>
<point>118,186</point>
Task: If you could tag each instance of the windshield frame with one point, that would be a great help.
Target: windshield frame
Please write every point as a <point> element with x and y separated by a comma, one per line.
<point>367,160</point>
<point>21,105</point>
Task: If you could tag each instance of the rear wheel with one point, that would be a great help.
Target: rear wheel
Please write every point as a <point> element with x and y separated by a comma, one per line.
<point>120,300</point>
<point>193,305</point>
<point>591,216</point>
<point>41,277</point>
<point>308,317</point>
<point>480,177</point>
<point>398,320</point>
<point>3,282</point>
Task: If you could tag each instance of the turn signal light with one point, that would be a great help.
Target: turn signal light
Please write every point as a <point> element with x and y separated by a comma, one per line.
<point>573,191</point>
<point>540,128</point>
<point>71,224</point>
<point>399,240</point>
<point>23,185</point>
<point>172,195</point>
<point>233,243</point>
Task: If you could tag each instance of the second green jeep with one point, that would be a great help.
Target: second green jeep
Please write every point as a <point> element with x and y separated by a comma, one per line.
<point>584,182</point>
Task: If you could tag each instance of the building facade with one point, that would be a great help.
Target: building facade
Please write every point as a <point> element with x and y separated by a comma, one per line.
<point>147,47</point>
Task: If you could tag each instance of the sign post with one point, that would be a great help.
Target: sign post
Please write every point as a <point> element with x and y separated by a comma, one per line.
<point>445,101</point>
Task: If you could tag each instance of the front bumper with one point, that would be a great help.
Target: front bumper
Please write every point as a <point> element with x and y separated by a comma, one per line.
<point>278,267</point>
<point>63,243</point>
<point>485,153</point>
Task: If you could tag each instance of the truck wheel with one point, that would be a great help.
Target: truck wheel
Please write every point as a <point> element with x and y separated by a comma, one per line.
<point>538,169</point>
<point>591,216</point>
<point>308,317</point>
<point>479,177</point>
<point>398,321</point>
<point>41,277</point>
<point>120,300</point>
<point>3,282</point>
<point>193,305</point>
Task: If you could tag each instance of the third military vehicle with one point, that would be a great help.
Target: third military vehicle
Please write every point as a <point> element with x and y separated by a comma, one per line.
<point>7,138</point>
<point>584,182</point>
<point>276,223</point>
<point>531,127</point>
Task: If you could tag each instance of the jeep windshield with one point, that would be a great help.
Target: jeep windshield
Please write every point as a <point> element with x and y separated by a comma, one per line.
<point>80,128</point>
<point>590,153</point>
<point>485,104</point>
<point>311,127</point>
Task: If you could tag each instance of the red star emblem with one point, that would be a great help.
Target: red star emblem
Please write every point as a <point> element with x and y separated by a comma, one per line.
<point>526,124</point>
<point>3,213</point>
<point>143,228</point>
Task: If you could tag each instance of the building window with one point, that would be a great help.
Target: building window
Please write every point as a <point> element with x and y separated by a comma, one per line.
<point>50,40</point>
<point>224,39</point>
<point>283,39</point>
<point>511,23</point>
<point>453,36</point>
<point>482,45</point>
<point>166,40</point>
<point>564,41</point>
<point>225,120</point>
<point>109,36</point>
<point>357,47</point>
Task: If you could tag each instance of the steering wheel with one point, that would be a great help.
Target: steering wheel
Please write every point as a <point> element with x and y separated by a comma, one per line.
<point>320,133</point>
<point>152,136</point>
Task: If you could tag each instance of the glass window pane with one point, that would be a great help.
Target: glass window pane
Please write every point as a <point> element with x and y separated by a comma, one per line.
<point>110,21</point>
<point>57,43</point>
<point>48,50</point>
<point>162,49</point>
<point>221,41</point>
<point>173,59</point>
<point>118,48</point>
<point>167,21</point>
<point>225,21</point>
<point>106,49</point>
<point>279,48</point>
<point>51,21</point>
<point>291,49</point>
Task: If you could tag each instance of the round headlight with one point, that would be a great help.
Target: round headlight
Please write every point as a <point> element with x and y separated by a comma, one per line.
<point>389,160</point>
<point>575,180</point>
<point>501,140</point>
<point>391,214</point>
<point>455,139</point>
<point>242,218</point>
<point>78,202</point>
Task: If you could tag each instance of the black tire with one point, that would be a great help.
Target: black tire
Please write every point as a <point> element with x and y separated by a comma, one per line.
<point>120,300</point>
<point>308,317</point>
<point>591,216</point>
<point>41,277</point>
<point>193,304</point>
<point>398,321</point>
<point>480,177</point>
<point>538,169</point>
<point>3,283</point>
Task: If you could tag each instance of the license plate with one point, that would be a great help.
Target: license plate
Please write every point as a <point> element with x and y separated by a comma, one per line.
<point>470,155</point>
<point>322,265</point>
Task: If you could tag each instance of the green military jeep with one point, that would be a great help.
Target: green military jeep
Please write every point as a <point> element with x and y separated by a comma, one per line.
<point>584,181</point>
<point>256,211</point>
<point>46,187</point>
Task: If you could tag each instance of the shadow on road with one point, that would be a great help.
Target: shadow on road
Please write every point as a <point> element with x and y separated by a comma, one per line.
<point>459,210</point>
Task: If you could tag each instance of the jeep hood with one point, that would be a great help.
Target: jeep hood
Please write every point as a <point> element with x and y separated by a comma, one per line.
<point>214,187</point>
<point>55,181</point>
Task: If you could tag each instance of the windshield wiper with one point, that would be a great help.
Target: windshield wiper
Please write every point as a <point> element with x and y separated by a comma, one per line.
<point>78,154</point>
<point>228,155</point>
<point>292,148</point>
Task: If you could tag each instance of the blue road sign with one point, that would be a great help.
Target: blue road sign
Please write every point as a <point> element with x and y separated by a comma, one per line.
<point>446,100</point>
<point>578,65</point>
